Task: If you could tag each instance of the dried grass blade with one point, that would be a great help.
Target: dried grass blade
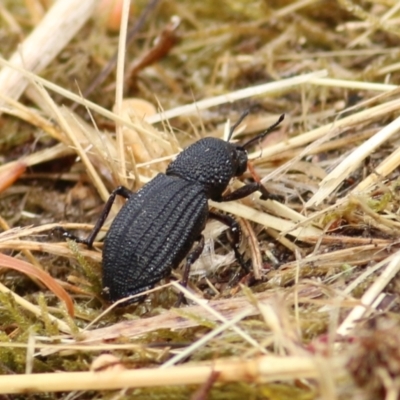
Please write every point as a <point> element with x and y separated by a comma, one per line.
<point>44,277</point>
<point>261,369</point>
<point>41,156</point>
<point>252,243</point>
<point>270,221</point>
<point>86,103</point>
<point>226,308</point>
<point>97,182</point>
<point>52,248</point>
<point>387,166</point>
<point>119,89</point>
<point>352,162</point>
<point>370,295</point>
<point>348,84</point>
<point>206,338</point>
<point>235,96</point>
<point>11,174</point>
<point>352,120</point>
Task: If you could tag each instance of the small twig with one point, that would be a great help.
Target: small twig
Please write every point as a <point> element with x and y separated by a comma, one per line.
<point>203,391</point>
<point>119,92</point>
<point>252,242</point>
<point>162,46</point>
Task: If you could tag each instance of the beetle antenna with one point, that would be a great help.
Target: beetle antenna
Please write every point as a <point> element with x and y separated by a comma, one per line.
<point>265,133</point>
<point>237,123</point>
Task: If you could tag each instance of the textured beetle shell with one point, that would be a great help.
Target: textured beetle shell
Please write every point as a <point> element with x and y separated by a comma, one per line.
<point>210,162</point>
<point>153,232</point>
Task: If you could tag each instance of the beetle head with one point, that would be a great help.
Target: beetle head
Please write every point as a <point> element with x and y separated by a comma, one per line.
<point>212,162</point>
<point>239,160</point>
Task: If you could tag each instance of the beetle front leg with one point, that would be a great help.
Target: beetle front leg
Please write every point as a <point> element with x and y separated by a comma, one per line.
<point>119,191</point>
<point>247,190</point>
<point>236,232</point>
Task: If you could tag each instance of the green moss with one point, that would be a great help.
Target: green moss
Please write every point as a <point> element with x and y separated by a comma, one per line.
<point>91,272</point>
<point>229,391</point>
<point>50,326</point>
<point>208,323</point>
<point>379,205</point>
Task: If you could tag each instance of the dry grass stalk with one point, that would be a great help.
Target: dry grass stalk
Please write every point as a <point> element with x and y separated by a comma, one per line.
<point>252,243</point>
<point>271,87</point>
<point>217,310</point>
<point>352,120</point>
<point>119,90</point>
<point>352,162</point>
<point>387,166</point>
<point>371,295</point>
<point>188,351</point>
<point>261,369</point>
<point>78,99</point>
<point>52,248</point>
<point>349,84</point>
<point>267,220</point>
<point>98,182</point>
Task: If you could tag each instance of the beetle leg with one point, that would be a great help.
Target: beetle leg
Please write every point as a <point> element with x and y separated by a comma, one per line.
<point>236,232</point>
<point>119,191</point>
<point>240,193</point>
<point>190,260</point>
<point>247,190</point>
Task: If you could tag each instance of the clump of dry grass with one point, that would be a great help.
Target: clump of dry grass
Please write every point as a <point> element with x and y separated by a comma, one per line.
<point>320,321</point>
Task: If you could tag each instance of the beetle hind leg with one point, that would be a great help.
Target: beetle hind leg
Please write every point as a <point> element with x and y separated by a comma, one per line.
<point>119,191</point>
<point>190,260</point>
<point>68,235</point>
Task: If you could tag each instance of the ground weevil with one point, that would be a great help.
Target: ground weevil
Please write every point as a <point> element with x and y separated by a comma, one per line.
<point>159,224</point>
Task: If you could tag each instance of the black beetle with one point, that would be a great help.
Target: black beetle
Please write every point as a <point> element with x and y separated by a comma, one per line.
<point>159,224</point>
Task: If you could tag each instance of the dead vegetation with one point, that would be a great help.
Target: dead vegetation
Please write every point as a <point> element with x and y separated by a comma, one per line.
<point>86,107</point>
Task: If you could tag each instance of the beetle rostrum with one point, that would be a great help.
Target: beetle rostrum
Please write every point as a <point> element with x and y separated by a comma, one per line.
<point>159,224</point>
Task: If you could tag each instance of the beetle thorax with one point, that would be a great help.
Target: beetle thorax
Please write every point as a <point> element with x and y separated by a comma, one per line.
<point>210,162</point>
